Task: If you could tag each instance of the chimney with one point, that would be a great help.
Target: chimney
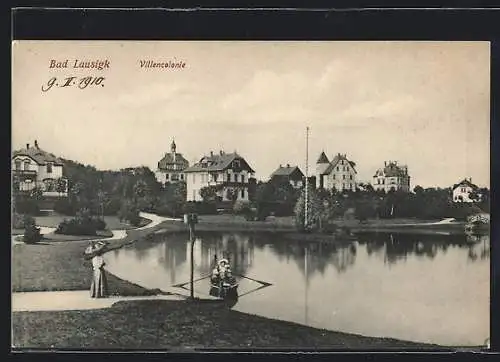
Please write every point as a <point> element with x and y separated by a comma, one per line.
<point>36,144</point>
<point>211,153</point>
<point>287,165</point>
<point>221,152</point>
<point>27,145</point>
<point>385,163</point>
<point>281,165</point>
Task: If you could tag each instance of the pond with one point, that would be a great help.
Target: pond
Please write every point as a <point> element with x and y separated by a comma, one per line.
<point>423,288</point>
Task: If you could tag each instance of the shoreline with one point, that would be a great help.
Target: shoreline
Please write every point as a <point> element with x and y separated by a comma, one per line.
<point>126,288</point>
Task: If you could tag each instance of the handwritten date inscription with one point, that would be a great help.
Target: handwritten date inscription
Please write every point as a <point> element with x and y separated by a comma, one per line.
<point>79,82</point>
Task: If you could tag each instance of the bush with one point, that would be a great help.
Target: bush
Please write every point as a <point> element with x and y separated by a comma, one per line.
<point>31,232</point>
<point>27,205</point>
<point>112,207</point>
<point>82,224</point>
<point>17,221</point>
<point>130,213</point>
<point>65,207</point>
<point>200,207</point>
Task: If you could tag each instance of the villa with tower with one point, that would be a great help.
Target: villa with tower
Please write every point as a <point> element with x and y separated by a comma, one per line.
<point>392,177</point>
<point>339,173</point>
<point>171,167</point>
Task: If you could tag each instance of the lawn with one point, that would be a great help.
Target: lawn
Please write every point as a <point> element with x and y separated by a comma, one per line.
<point>171,324</point>
<point>60,266</point>
<point>112,222</point>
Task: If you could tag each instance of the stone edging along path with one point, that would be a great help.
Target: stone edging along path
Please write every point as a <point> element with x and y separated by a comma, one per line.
<point>80,299</point>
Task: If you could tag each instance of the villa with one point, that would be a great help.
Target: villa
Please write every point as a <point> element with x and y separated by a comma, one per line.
<point>462,191</point>
<point>339,174</point>
<point>291,174</point>
<point>33,168</point>
<point>228,173</point>
<point>171,167</point>
<point>392,177</point>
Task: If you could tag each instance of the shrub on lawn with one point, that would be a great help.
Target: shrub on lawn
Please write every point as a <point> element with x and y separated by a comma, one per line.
<point>83,224</point>
<point>130,213</point>
<point>31,232</point>
<point>65,207</point>
<point>17,221</point>
<point>27,205</point>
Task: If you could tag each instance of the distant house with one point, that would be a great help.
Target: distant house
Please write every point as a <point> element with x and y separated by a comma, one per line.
<point>339,173</point>
<point>392,177</point>
<point>291,174</point>
<point>171,167</point>
<point>228,173</point>
<point>33,168</point>
<point>462,191</point>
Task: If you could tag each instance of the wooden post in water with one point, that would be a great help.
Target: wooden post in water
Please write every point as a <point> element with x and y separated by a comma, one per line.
<point>191,220</point>
<point>306,199</point>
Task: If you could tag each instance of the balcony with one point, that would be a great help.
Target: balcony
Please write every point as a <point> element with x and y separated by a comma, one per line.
<point>24,172</point>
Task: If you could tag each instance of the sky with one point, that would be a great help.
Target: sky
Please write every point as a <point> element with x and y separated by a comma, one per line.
<point>423,104</point>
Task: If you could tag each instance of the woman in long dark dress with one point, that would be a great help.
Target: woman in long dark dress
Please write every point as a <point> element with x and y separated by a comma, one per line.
<point>99,286</point>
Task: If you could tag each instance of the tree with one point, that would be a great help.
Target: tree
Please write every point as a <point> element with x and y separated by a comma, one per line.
<point>208,193</point>
<point>315,211</point>
<point>61,186</point>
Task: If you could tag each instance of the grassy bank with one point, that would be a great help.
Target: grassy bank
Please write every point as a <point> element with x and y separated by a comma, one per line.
<point>171,324</point>
<point>112,222</point>
<point>60,266</point>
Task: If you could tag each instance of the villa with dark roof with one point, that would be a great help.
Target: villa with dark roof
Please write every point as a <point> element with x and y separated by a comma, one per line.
<point>392,177</point>
<point>291,174</point>
<point>171,167</point>
<point>33,168</point>
<point>228,173</point>
<point>339,173</point>
<point>462,191</point>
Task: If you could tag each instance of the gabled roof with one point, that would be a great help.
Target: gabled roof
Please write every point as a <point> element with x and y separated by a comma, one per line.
<point>465,182</point>
<point>287,171</point>
<point>322,158</point>
<point>392,169</point>
<point>338,157</point>
<point>218,162</point>
<point>168,160</point>
<point>40,156</point>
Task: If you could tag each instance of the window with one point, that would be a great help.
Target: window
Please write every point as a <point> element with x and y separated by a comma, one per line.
<point>242,193</point>
<point>236,163</point>
<point>194,178</point>
<point>235,177</point>
<point>215,177</point>
<point>242,178</point>
<point>338,168</point>
<point>18,164</point>
<point>26,165</point>
<point>194,194</point>
<point>343,177</point>
<point>167,176</point>
<point>350,177</point>
<point>334,176</point>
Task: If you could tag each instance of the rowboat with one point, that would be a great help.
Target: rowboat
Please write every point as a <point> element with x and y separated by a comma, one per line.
<point>223,284</point>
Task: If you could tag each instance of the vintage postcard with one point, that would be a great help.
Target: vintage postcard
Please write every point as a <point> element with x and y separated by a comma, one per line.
<point>245,195</point>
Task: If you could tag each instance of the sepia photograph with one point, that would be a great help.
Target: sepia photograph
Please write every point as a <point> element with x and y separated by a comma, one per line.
<point>326,195</point>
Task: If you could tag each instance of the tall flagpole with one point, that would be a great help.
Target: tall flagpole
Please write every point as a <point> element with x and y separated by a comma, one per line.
<point>306,203</point>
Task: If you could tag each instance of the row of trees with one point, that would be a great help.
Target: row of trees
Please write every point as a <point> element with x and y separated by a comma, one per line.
<point>430,203</point>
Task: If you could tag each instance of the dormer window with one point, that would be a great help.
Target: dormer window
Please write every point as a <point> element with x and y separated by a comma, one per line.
<point>27,165</point>
<point>49,168</point>
<point>18,164</point>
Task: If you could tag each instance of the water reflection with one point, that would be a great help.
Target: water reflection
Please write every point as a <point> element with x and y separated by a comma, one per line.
<point>376,285</point>
<point>394,248</point>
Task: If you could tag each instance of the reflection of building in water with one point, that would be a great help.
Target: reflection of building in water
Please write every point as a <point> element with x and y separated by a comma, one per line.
<point>237,248</point>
